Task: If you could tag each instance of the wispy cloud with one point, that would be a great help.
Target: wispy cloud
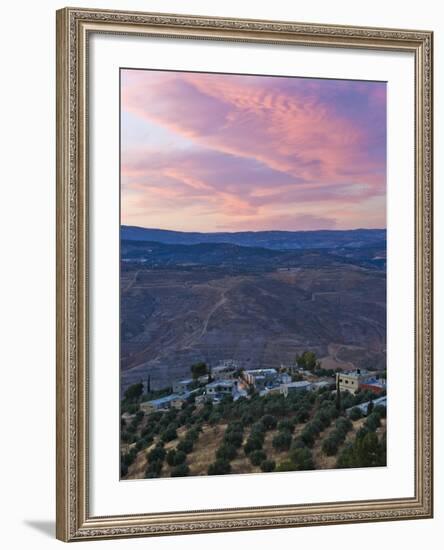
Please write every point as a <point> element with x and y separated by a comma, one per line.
<point>262,152</point>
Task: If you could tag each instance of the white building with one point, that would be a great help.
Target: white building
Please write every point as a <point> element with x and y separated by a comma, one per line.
<point>260,378</point>
<point>183,386</point>
<point>219,388</point>
<point>301,386</point>
<point>364,406</point>
<point>226,370</point>
<point>285,378</point>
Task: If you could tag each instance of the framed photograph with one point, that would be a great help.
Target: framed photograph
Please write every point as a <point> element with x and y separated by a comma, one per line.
<point>244,274</point>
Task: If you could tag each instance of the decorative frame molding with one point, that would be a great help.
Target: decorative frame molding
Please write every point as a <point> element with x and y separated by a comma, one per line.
<point>73,519</point>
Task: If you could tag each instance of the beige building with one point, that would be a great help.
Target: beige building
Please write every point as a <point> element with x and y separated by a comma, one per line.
<point>163,403</point>
<point>351,380</point>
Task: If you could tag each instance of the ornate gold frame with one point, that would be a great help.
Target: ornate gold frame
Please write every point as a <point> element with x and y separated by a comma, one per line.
<point>73,519</point>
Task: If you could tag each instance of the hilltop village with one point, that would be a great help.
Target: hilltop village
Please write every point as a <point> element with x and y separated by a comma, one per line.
<point>226,419</point>
<point>228,379</point>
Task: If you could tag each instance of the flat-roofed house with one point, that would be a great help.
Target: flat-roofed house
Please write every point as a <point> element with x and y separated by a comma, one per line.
<point>259,378</point>
<point>226,370</point>
<point>285,378</point>
<point>300,386</point>
<point>223,372</point>
<point>162,403</point>
<point>352,380</point>
<point>219,388</point>
<point>179,401</point>
<point>183,386</point>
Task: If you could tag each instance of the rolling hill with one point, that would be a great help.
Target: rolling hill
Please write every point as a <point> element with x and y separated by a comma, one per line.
<point>278,240</point>
<point>182,303</point>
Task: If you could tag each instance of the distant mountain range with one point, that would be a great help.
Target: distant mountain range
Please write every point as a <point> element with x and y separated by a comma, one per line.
<point>259,298</point>
<point>275,240</point>
<point>157,255</point>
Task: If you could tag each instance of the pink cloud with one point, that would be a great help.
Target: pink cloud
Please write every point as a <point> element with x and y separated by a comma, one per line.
<point>212,182</point>
<point>255,142</point>
<point>301,222</point>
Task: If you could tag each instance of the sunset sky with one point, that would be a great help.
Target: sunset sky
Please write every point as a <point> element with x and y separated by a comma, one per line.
<point>219,152</point>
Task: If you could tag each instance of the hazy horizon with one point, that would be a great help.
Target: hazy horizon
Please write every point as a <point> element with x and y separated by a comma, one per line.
<point>255,231</point>
<point>216,153</point>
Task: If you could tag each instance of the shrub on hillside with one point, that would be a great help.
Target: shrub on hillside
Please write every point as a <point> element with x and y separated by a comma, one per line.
<point>193,433</point>
<point>366,451</point>
<point>343,425</point>
<point>380,410</point>
<point>268,465</point>
<point>373,421</point>
<point>234,438</point>
<point>258,429</point>
<point>253,443</point>
<point>169,434</point>
<point>355,413</point>
<point>234,434</point>
<point>154,468</point>
<point>331,444</point>
<point>143,442</point>
<point>128,458</point>
<point>286,425</point>
<point>175,457</point>
<point>180,470</point>
<point>219,467</point>
<point>226,451</point>
<point>158,453</point>
<point>302,415</point>
<point>302,459</point>
<point>186,445</point>
<point>286,466</point>
<point>310,432</point>
<point>282,441</point>
<point>215,417</point>
<point>257,457</point>
<point>269,422</point>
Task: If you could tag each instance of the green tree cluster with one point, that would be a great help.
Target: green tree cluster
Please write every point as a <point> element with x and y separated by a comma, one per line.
<point>282,440</point>
<point>331,444</point>
<point>367,450</point>
<point>299,458</point>
<point>219,467</point>
<point>155,459</point>
<point>175,457</point>
<point>307,360</point>
<point>134,392</point>
<point>268,465</point>
<point>256,438</point>
<point>199,369</point>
